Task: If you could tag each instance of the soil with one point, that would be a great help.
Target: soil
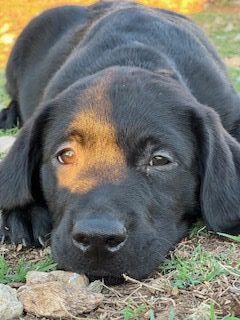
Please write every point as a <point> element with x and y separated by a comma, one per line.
<point>157,292</point>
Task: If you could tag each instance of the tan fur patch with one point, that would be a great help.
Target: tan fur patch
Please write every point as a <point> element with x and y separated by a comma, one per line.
<point>93,138</point>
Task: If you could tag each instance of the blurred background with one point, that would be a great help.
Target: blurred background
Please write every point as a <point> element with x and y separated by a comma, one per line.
<point>219,18</point>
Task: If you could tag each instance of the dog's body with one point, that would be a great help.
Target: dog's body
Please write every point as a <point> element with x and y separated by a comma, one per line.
<point>122,149</point>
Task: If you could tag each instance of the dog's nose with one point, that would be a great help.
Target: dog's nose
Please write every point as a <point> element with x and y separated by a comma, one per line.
<point>90,235</point>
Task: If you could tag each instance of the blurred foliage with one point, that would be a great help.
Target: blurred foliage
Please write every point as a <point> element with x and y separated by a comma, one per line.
<point>14,15</point>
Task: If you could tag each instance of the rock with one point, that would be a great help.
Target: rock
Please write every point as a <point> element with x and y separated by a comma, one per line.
<point>56,299</point>
<point>96,286</point>
<point>6,143</point>
<point>34,277</point>
<point>10,307</point>
<point>58,294</point>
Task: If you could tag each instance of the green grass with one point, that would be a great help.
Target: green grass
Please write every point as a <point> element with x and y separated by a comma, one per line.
<point>229,236</point>
<point>209,313</point>
<point>2,155</point>
<point>8,275</point>
<point>136,313</point>
<point>235,76</point>
<point>4,99</point>
<point>198,229</point>
<point>171,315</point>
<point>9,132</point>
<point>133,313</point>
<point>199,267</point>
<point>214,317</point>
<point>225,42</point>
<point>222,29</point>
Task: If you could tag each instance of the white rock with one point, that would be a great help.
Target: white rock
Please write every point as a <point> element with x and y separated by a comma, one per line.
<point>6,143</point>
<point>10,307</point>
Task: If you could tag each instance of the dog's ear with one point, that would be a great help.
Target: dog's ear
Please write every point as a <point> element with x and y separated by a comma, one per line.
<point>19,165</point>
<point>219,161</point>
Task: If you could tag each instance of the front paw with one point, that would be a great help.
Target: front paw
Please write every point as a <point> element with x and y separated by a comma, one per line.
<point>30,226</point>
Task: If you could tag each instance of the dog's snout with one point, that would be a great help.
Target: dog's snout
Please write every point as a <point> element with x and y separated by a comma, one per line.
<point>91,235</point>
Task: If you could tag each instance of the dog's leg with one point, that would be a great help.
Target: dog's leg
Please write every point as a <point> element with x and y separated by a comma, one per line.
<point>29,226</point>
<point>10,116</point>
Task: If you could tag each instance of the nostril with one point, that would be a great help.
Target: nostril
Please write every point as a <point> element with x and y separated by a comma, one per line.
<point>81,241</point>
<point>92,235</point>
<point>114,243</point>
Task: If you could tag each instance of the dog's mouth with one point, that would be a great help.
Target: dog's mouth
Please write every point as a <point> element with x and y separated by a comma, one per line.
<point>107,279</point>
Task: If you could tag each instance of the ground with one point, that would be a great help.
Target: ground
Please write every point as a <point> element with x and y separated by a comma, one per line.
<point>200,279</point>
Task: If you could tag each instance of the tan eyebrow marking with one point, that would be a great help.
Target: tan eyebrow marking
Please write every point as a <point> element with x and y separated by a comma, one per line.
<point>100,159</point>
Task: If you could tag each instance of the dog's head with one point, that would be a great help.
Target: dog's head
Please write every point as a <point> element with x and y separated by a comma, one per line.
<point>125,160</point>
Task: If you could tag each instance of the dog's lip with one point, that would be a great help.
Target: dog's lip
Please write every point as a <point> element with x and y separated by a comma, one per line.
<point>107,276</point>
<point>102,273</point>
<point>108,279</point>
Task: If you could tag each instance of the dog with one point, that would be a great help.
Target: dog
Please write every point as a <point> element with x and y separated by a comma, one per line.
<point>130,132</point>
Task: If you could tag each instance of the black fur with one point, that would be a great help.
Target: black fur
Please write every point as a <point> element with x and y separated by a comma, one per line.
<point>9,117</point>
<point>169,95</point>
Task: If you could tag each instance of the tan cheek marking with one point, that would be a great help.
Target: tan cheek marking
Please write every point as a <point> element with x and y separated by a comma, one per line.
<point>100,159</point>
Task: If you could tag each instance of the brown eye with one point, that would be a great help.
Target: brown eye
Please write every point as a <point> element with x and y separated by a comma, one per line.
<point>159,161</point>
<point>66,156</point>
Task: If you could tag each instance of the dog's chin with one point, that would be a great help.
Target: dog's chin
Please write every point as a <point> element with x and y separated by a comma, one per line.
<point>107,279</point>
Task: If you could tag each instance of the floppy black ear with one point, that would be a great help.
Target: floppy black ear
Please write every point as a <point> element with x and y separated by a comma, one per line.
<point>17,168</point>
<point>219,160</point>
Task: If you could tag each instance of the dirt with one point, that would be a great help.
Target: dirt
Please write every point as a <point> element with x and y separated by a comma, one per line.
<point>157,293</point>
<point>13,254</point>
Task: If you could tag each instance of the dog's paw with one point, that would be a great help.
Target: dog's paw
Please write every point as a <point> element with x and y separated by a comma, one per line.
<point>9,116</point>
<point>41,225</point>
<point>29,227</point>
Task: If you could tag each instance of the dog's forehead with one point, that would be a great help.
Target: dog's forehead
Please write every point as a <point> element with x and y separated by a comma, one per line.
<point>93,111</point>
<point>123,106</point>
<point>95,137</point>
<point>123,94</point>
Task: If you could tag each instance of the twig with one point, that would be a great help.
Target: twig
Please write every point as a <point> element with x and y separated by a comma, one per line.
<point>115,292</point>
<point>230,270</point>
<point>127,278</point>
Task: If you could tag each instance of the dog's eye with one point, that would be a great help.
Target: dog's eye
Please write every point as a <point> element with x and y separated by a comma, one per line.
<point>66,156</point>
<point>159,161</point>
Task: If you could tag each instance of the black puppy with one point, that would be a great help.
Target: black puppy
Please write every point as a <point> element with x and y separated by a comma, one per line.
<point>130,132</point>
